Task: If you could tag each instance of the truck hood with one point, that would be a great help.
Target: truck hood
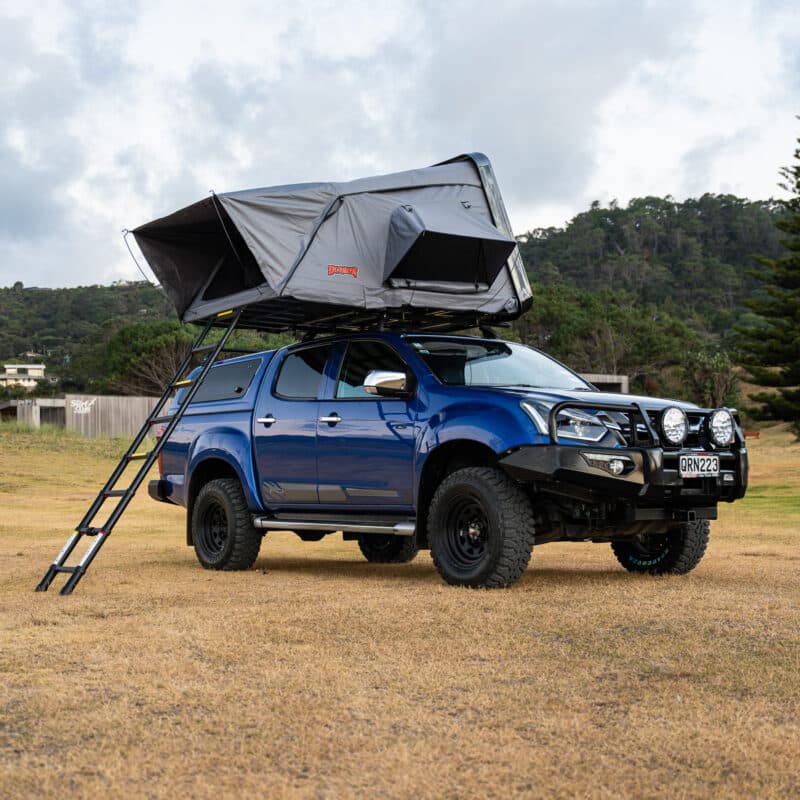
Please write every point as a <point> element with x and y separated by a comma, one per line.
<point>552,396</point>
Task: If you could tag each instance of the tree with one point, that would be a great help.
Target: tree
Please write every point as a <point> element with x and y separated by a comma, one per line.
<point>772,350</point>
<point>142,359</point>
<point>711,377</point>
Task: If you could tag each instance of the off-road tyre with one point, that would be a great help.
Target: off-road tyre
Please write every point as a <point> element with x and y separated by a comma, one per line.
<point>222,531</point>
<point>380,548</point>
<point>480,528</point>
<point>674,553</point>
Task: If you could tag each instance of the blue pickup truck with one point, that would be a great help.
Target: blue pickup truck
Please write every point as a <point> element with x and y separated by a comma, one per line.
<point>475,448</point>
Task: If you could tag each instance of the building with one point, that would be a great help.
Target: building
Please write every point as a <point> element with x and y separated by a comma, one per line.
<point>25,375</point>
<point>608,383</point>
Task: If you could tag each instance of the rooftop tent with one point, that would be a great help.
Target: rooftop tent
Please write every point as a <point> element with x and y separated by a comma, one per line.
<point>430,247</point>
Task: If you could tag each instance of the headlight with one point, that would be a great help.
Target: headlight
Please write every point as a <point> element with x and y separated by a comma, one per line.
<point>571,423</point>
<point>674,426</point>
<point>720,427</point>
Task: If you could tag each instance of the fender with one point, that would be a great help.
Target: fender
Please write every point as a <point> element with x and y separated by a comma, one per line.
<point>231,445</point>
<point>467,421</point>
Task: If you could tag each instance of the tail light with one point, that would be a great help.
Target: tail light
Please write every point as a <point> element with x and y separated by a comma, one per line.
<point>158,434</point>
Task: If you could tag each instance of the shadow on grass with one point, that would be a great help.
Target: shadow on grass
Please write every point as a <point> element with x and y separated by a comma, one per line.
<point>421,571</point>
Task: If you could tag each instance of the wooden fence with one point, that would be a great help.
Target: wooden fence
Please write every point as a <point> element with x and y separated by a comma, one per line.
<point>107,415</point>
<point>38,411</point>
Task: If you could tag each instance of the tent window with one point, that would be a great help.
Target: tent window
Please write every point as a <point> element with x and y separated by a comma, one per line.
<point>444,257</point>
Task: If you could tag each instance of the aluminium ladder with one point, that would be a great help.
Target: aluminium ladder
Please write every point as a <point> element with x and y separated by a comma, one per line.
<point>123,497</point>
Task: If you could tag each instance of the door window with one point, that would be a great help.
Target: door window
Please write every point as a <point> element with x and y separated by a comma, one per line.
<point>360,360</point>
<point>300,377</point>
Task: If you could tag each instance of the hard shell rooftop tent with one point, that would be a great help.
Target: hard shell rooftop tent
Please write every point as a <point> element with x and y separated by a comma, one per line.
<point>429,248</point>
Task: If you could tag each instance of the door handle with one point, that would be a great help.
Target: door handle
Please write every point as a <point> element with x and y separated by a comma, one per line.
<point>268,420</point>
<point>332,419</point>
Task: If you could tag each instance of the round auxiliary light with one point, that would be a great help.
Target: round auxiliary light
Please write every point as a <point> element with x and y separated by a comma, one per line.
<point>674,425</point>
<point>616,466</point>
<point>720,427</point>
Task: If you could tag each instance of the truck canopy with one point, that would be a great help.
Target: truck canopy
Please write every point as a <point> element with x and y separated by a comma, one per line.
<point>430,247</point>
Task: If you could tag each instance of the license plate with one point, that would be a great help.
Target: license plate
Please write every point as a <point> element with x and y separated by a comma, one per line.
<point>698,465</point>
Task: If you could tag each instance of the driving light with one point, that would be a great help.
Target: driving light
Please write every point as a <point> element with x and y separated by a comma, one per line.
<point>720,427</point>
<point>674,425</point>
<point>615,464</point>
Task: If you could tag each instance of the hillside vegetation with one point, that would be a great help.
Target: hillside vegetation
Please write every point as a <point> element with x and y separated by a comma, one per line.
<point>649,290</point>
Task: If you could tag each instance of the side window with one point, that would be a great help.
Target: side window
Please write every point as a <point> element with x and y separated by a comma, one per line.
<point>227,381</point>
<point>300,377</point>
<point>361,358</point>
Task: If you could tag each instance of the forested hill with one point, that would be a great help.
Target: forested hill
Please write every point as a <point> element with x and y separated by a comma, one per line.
<point>649,290</point>
<point>55,323</point>
<point>695,256</point>
<point>655,290</point>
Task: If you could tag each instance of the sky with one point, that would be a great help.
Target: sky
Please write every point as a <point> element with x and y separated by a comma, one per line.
<point>113,114</point>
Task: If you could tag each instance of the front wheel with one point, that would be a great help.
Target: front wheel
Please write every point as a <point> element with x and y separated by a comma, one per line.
<point>223,533</point>
<point>380,548</point>
<point>480,528</point>
<point>673,553</point>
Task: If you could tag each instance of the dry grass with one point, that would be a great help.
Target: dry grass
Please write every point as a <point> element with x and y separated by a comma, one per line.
<point>319,675</point>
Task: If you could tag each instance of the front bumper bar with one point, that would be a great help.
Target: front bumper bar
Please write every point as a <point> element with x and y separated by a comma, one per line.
<point>650,476</point>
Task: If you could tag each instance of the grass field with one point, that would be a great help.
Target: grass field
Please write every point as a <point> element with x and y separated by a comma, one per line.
<point>319,675</point>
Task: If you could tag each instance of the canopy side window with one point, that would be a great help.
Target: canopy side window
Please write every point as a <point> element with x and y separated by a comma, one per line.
<point>227,381</point>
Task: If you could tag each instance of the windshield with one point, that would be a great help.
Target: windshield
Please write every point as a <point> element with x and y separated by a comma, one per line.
<point>471,362</point>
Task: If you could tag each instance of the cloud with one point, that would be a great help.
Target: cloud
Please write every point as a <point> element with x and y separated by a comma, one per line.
<point>38,158</point>
<point>111,115</point>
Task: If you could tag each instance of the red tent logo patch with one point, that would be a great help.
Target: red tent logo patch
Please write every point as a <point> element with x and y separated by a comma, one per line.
<point>335,269</point>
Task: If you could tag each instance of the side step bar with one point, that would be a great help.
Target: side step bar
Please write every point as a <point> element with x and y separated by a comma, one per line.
<point>396,529</point>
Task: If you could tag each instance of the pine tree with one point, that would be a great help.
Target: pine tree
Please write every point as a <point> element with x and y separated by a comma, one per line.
<point>772,350</point>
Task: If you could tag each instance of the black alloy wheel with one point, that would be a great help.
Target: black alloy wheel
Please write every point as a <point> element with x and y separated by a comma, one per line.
<point>467,531</point>
<point>213,529</point>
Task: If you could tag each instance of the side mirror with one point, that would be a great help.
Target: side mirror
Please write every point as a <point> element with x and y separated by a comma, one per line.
<point>385,383</point>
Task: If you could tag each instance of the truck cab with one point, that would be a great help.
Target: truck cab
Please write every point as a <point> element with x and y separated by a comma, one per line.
<point>475,448</point>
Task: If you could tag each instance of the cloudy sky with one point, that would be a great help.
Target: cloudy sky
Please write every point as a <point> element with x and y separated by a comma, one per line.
<point>114,113</point>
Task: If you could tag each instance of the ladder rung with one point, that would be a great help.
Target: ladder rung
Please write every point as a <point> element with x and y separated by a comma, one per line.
<point>115,493</point>
<point>90,531</point>
<point>185,382</point>
<point>203,348</point>
<point>157,420</point>
<point>56,568</point>
<point>138,456</point>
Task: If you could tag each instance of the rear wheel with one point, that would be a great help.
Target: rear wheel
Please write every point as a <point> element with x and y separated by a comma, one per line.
<point>223,533</point>
<point>673,553</point>
<point>380,548</point>
<point>480,528</point>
